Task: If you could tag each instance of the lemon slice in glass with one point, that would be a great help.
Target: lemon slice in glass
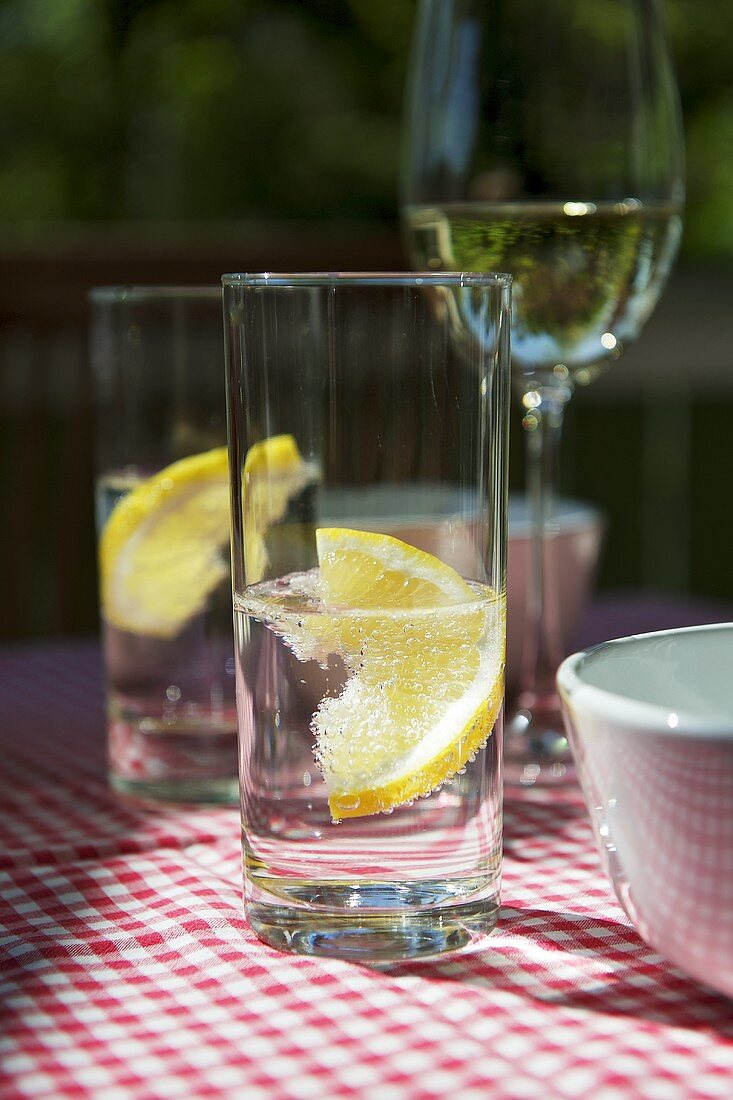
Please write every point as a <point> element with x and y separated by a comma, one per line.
<point>165,546</point>
<point>424,651</point>
<point>274,472</point>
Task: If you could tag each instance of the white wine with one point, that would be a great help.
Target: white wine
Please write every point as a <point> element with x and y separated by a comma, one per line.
<point>586,275</point>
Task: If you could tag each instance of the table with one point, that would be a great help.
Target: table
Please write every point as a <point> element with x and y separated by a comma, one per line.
<point>127,969</point>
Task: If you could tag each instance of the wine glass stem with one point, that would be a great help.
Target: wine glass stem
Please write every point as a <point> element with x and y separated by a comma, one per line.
<point>542,649</point>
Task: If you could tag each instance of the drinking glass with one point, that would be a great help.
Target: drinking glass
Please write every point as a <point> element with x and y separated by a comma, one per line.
<point>544,139</point>
<point>367,433</point>
<point>162,505</point>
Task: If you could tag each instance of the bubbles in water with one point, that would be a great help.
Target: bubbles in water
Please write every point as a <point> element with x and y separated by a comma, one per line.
<point>390,681</point>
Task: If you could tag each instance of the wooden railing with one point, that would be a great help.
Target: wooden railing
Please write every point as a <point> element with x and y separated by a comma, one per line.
<point>47,553</point>
<point>648,442</point>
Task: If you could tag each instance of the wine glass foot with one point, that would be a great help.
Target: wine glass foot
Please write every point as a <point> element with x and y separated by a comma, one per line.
<point>536,750</point>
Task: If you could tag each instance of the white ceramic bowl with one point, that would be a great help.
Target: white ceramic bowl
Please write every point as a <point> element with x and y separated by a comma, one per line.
<point>650,723</point>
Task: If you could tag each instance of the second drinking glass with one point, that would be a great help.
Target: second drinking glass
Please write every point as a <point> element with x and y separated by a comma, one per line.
<point>367,434</point>
<point>162,500</point>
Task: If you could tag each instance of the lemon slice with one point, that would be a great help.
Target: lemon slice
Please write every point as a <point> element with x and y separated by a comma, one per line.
<point>274,472</point>
<point>424,652</point>
<point>164,548</point>
<point>364,569</point>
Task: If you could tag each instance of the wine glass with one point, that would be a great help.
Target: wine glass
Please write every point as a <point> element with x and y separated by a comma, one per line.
<point>544,140</point>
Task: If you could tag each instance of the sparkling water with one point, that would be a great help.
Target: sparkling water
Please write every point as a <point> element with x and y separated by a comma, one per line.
<point>429,869</point>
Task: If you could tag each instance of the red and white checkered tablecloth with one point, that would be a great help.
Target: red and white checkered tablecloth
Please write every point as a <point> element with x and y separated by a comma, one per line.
<point>127,969</point>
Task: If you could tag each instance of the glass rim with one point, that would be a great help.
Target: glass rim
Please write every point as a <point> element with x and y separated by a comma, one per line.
<point>367,278</point>
<point>163,293</point>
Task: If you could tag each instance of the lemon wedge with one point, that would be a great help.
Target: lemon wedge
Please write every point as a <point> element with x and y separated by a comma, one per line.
<point>274,472</point>
<point>364,569</point>
<point>424,653</point>
<point>165,546</point>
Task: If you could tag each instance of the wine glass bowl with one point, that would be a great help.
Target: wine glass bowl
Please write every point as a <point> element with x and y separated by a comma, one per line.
<point>586,274</point>
<point>544,140</point>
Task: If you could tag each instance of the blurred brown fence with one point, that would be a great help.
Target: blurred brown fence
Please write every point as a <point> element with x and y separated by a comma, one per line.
<point>649,442</point>
<point>47,553</point>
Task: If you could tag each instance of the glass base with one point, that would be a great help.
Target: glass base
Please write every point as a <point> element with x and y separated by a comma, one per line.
<point>536,750</point>
<point>154,763</point>
<point>338,927</point>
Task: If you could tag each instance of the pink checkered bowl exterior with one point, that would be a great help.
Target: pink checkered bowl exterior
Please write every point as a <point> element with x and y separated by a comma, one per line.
<point>658,783</point>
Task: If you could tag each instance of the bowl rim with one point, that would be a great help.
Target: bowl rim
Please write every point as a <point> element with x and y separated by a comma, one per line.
<point>579,697</point>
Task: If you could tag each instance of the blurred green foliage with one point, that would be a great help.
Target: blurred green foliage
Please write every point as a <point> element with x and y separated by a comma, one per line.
<point>218,110</point>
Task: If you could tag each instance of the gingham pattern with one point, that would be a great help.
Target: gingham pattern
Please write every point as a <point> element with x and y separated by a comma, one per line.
<point>128,970</point>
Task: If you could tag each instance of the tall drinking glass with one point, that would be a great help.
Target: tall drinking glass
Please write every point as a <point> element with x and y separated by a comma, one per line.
<point>544,139</point>
<point>162,503</point>
<point>367,434</point>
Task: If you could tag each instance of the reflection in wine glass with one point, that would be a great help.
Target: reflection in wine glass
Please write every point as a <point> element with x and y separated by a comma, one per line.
<point>544,140</point>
